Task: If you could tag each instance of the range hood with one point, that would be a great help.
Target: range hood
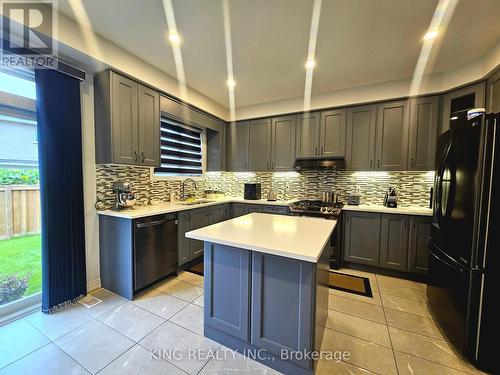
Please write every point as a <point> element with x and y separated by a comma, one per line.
<point>332,163</point>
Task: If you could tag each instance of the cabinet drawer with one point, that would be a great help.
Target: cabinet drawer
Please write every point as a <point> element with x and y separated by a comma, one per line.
<point>278,210</point>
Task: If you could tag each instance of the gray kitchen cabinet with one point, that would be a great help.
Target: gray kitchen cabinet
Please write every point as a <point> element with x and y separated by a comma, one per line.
<point>332,135</point>
<point>283,143</point>
<point>362,238</point>
<point>249,208</point>
<point>127,121</point>
<point>360,142</point>
<point>423,133</point>
<point>217,213</point>
<point>493,93</point>
<point>307,135</point>
<point>420,234</point>
<point>238,146</point>
<point>199,218</point>
<point>228,290</point>
<point>238,209</point>
<point>468,97</point>
<point>391,148</point>
<point>259,145</point>
<point>149,126</point>
<point>282,287</point>
<point>216,148</point>
<point>394,242</point>
<point>184,252</point>
<point>277,210</point>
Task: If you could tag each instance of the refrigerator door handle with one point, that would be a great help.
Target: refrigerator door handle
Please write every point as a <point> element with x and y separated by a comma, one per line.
<point>439,183</point>
<point>446,259</point>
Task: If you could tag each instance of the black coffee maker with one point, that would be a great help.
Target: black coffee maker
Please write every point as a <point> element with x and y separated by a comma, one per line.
<point>391,198</point>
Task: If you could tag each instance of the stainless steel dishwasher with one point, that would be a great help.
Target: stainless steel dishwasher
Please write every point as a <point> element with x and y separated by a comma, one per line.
<point>155,250</point>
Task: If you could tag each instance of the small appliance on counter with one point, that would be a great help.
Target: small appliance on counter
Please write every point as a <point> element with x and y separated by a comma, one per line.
<point>214,194</point>
<point>391,198</point>
<point>330,196</point>
<point>272,196</point>
<point>252,192</point>
<point>354,198</point>
<point>124,196</point>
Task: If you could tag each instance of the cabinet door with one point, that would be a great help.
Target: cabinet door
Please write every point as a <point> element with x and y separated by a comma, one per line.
<point>420,234</point>
<point>307,135</point>
<point>149,127</point>
<point>249,208</point>
<point>423,133</point>
<point>281,292</point>
<point>216,148</point>
<point>227,283</point>
<point>199,219</point>
<point>394,242</point>
<point>362,238</point>
<point>238,146</point>
<point>332,133</point>
<point>238,209</point>
<point>391,149</point>
<point>277,210</point>
<point>283,143</point>
<point>360,143</point>
<point>124,134</point>
<point>493,101</point>
<point>259,152</point>
<point>469,97</point>
<point>184,254</point>
<point>216,214</point>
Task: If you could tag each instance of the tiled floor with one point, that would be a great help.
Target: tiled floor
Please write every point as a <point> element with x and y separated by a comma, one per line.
<point>391,333</point>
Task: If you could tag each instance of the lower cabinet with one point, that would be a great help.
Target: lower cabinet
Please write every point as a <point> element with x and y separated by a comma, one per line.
<point>277,210</point>
<point>195,219</point>
<point>240,209</point>
<point>391,241</point>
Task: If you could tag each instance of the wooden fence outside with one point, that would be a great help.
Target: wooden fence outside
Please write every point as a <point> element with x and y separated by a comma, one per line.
<point>19,210</point>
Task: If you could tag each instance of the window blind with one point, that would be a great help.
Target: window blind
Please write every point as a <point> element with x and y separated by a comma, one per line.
<point>181,152</point>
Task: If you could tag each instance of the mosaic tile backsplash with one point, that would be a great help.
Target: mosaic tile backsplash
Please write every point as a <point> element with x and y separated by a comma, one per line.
<point>413,187</point>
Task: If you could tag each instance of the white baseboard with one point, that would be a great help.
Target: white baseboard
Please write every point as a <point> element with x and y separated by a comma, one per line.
<point>93,285</point>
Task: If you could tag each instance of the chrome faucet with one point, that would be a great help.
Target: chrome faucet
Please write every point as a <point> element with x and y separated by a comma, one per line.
<point>183,187</point>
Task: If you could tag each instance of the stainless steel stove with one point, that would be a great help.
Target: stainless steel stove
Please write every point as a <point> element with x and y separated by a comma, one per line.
<point>327,210</point>
<point>316,208</point>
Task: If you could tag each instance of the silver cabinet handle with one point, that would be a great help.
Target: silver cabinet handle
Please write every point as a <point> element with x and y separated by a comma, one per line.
<point>371,164</point>
<point>315,150</point>
<point>412,162</point>
<point>142,157</point>
<point>136,156</point>
<point>378,163</point>
<point>321,152</point>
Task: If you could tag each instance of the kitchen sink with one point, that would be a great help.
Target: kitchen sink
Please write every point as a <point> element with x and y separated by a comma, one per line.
<point>195,202</point>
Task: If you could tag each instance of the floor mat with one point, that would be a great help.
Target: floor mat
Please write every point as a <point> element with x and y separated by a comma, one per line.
<point>196,269</point>
<point>350,283</point>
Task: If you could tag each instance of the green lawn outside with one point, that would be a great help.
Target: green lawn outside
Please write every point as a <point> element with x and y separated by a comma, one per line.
<point>22,256</point>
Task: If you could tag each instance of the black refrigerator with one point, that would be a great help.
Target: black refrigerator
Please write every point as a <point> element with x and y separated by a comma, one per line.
<point>464,251</point>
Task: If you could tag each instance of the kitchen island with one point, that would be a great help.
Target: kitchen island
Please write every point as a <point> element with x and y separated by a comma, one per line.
<point>266,287</point>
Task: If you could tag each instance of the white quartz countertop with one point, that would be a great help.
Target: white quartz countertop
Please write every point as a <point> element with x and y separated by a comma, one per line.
<point>296,237</point>
<point>421,211</point>
<point>170,207</point>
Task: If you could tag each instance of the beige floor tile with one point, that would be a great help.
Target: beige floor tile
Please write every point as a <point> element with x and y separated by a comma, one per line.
<point>434,350</point>
<point>160,303</point>
<point>357,308</point>
<point>362,353</point>
<point>180,289</point>
<point>401,282</point>
<point>199,301</point>
<point>406,305</point>
<point>375,300</point>
<point>229,362</point>
<point>331,367</point>
<point>358,327</point>
<point>410,365</point>
<point>400,291</point>
<point>349,271</point>
<point>191,317</point>
<point>191,278</point>
<point>109,302</point>
<point>412,322</point>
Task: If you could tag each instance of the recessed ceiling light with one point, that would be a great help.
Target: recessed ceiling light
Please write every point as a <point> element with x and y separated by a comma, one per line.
<point>310,64</point>
<point>430,35</point>
<point>174,38</point>
<point>231,83</point>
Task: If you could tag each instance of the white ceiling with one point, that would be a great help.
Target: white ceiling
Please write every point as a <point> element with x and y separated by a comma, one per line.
<point>360,42</point>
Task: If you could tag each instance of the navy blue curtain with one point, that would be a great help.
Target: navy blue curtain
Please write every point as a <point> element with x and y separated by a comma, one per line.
<point>58,115</point>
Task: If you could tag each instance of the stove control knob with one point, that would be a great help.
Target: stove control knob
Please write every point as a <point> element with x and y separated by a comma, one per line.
<point>323,210</point>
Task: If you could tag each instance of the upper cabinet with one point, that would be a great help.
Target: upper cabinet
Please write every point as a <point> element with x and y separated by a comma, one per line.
<point>216,148</point>
<point>469,97</point>
<point>127,121</point>
<point>493,93</point>
<point>307,135</point>
<point>423,133</point>
<point>360,144</point>
<point>282,143</point>
<point>259,143</point>
<point>332,134</point>
<point>391,148</point>
<point>238,134</point>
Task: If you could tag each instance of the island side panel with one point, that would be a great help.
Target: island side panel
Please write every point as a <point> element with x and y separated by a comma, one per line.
<point>282,305</point>
<point>322,292</point>
<point>116,255</point>
<point>227,290</point>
